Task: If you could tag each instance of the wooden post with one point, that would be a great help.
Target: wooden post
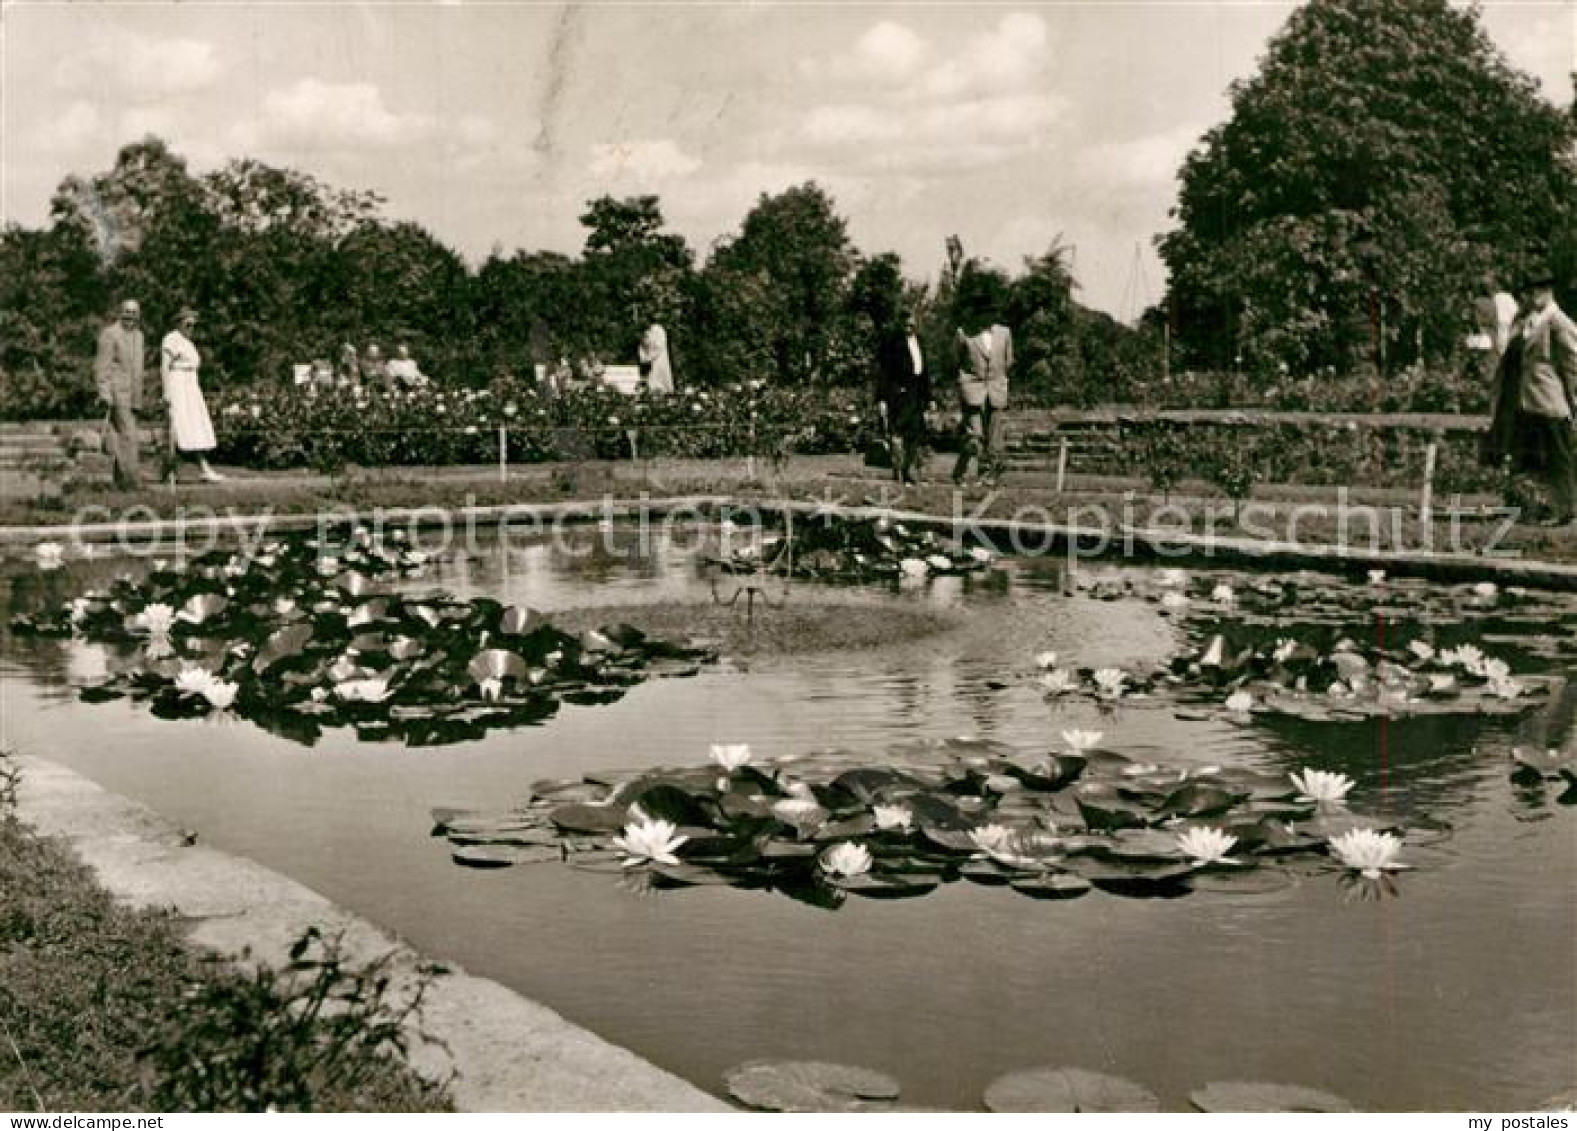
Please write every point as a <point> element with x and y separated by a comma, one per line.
<point>503,454</point>
<point>1426,498</point>
<point>1062,463</point>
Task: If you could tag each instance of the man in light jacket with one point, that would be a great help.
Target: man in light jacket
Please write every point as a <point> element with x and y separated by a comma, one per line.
<point>1549,390</point>
<point>985,354</point>
<point>118,370</point>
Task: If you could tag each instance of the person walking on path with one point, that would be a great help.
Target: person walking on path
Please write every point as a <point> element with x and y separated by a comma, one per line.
<point>985,353</point>
<point>191,429</point>
<point>1543,444</point>
<point>903,391</point>
<point>119,370</point>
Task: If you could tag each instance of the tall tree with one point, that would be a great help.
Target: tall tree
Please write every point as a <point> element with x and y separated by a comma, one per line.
<point>1384,157</point>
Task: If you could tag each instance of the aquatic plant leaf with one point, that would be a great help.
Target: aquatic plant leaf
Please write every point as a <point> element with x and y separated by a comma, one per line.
<point>1252,1097</point>
<point>807,1086</point>
<point>671,803</point>
<point>1198,800</point>
<point>504,855</point>
<point>1067,1090</point>
<point>578,817</point>
<point>517,621</point>
<point>496,663</point>
<point>1053,885</point>
<point>894,886</point>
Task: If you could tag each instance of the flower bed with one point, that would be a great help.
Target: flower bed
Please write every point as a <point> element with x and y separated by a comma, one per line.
<point>270,427</point>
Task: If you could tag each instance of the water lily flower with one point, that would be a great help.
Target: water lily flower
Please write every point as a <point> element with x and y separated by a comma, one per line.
<point>647,841</point>
<point>1046,660</point>
<point>1322,786</point>
<point>193,680</point>
<point>1421,649</point>
<point>1240,702</point>
<point>1057,682</point>
<point>1485,589</point>
<point>1171,578</point>
<point>155,620</point>
<point>913,567</point>
<point>991,838</point>
<point>363,690</point>
<point>49,554</point>
<point>1223,594</point>
<point>490,688</point>
<point>1172,599</point>
<point>731,756</point>
<point>891,817</point>
<point>939,562</point>
<point>1368,852</point>
<point>79,610</point>
<point>1505,688</point>
<point>801,812</point>
<point>1495,670</point>
<point>1081,740</point>
<point>1284,649</point>
<point>1377,577</point>
<point>846,860</point>
<point>1204,846</point>
<point>1110,682</point>
<point>980,554</point>
<point>1468,657</point>
<point>220,693</point>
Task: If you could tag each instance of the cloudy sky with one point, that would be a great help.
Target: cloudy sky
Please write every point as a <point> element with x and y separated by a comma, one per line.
<point>493,122</point>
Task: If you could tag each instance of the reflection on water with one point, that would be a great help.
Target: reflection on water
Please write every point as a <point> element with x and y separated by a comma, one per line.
<point>1462,992</point>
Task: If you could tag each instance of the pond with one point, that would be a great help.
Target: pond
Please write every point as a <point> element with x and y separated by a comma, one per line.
<point>1459,991</point>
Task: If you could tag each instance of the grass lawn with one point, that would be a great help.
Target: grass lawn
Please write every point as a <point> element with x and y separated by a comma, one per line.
<point>104,1008</point>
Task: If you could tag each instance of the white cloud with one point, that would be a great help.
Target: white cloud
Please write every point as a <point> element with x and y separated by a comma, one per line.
<point>140,68</point>
<point>1141,162</point>
<point>888,52</point>
<point>76,127</point>
<point>1009,57</point>
<point>642,161</point>
<point>947,135</point>
<point>317,116</point>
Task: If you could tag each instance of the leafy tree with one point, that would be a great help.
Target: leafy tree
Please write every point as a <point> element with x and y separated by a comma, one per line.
<point>1042,312</point>
<point>632,272</point>
<point>1384,157</point>
<point>798,248</point>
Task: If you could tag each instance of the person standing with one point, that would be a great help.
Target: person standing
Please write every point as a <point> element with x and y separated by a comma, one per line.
<point>985,354</point>
<point>119,370</point>
<point>1548,363</point>
<point>653,356</point>
<point>903,391</point>
<point>191,428</point>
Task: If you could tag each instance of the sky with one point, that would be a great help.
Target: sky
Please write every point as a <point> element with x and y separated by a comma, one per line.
<point>492,123</point>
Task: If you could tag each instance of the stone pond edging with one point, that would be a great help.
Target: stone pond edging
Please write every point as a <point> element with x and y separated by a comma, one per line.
<point>1149,543</point>
<point>507,1053</point>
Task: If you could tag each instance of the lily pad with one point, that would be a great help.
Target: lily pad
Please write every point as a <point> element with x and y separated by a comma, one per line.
<point>1067,1089</point>
<point>1059,885</point>
<point>808,1086</point>
<point>1243,1097</point>
<point>503,855</point>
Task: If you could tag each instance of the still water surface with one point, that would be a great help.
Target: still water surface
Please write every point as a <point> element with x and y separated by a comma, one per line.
<point>1459,993</point>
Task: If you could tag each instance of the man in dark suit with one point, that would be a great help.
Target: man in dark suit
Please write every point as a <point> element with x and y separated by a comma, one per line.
<point>118,371</point>
<point>903,391</point>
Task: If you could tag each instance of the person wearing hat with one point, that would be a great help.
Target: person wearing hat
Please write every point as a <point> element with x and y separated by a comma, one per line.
<point>1548,363</point>
<point>191,429</point>
<point>118,371</point>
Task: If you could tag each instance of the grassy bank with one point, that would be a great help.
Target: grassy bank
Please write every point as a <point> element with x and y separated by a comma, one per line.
<point>110,1009</point>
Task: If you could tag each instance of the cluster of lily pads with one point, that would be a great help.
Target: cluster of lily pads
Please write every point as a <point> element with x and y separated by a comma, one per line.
<point>1536,769</point>
<point>296,639</point>
<point>835,548</point>
<point>819,1086</point>
<point>1050,825</point>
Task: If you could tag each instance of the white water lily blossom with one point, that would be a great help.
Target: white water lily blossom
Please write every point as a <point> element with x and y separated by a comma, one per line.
<point>193,680</point>
<point>1081,740</point>
<point>890,818</point>
<point>1421,649</point>
<point>846,860</point>
<point>1057,682</point>
<point>155,620</point>
<point>1204,846</point>
<point>1171,578</point>
<point>1322,786</point>
<point>939,563</point>
<point>1368,852</point>
<point>1486,589</point>
<point>1377,577</point>
<point>913,567</point>
<point>490,688</point>
<point>1223,594</point>
<point>1285,647</point>
<point>991,839</point>
<point>1240,702</point>
<point>731,756</point>
<point>1111,682</point>
<point>220,693</point>
<point>1046,661</point>
<point>1468,657</point>
<point>649,842</point>
<point>363,690</point>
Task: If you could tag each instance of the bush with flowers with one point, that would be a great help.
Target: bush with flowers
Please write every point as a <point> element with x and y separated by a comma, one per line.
<point>274,427</point>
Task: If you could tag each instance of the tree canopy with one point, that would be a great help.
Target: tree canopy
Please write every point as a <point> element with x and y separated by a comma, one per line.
<point>1381,163</point>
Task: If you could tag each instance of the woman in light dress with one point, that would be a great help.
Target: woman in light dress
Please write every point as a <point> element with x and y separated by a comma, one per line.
<point>653,356</point>
<point>191,430</point>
